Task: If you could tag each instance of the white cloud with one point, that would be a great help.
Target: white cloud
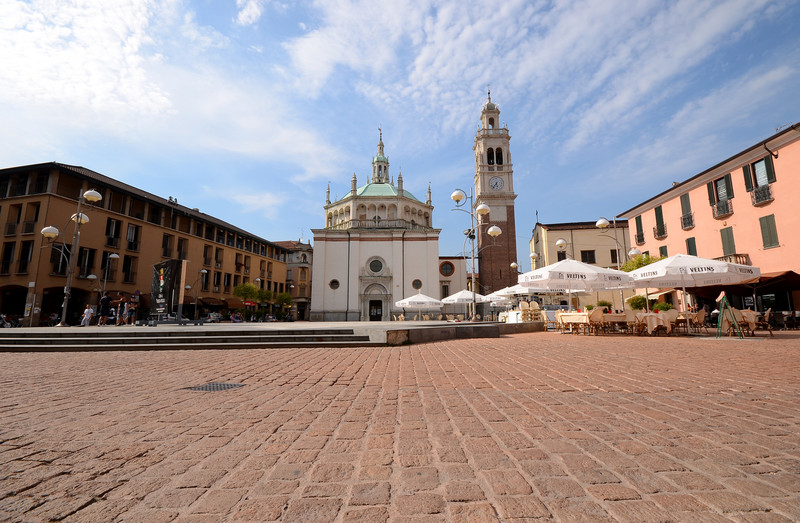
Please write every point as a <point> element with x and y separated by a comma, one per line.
<point>249,11</point>
<point>87,57</point>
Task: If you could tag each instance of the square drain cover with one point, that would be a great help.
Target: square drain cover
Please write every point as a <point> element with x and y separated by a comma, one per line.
<point>215,386</point>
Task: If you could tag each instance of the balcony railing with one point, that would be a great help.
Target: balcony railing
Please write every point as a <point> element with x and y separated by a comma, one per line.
<point>660,231</point>
<point>723,209</point>
<point>129,277</point>
<point>493,132</point>
<point>11,229</point>
<point>741,259</point>
<point>379,224</point>
<point>112,242</point>
<point>639,238</point>
<point>133,246</point>
<point>28,227</point>
<point>687,221</point>
<point>762,195</point>
<point>166,252</point>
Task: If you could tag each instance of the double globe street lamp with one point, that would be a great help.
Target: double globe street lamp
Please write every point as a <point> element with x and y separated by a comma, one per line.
<point>475,213</point>
<point>52,233</point>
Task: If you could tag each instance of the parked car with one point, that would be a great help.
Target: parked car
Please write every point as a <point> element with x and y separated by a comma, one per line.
<point>213,317</point>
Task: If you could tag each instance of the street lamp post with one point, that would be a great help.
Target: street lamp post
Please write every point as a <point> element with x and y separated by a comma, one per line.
<point>51,233</point>
<point>201,273</point>
<point>112,256</point>
<point>475,212</point>
<point>603,224</point>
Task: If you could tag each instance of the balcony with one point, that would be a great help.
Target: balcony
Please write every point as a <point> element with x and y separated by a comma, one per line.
<point>761,195</point>
<point>722,209</point>
<point>741,259</point>
<point>112,242</point>
<point>660,231</point>
<point>378,224</point>
<point>11,229</point>
<point>28,227</point>
<point>133,246</point>
<point>206,261</point>
<point>639,238</point>
<point>218,265</point>
<point>687,221</point>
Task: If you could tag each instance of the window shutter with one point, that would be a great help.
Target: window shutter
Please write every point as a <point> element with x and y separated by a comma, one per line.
<point>712,196</point>
<point>770,169</point>
<point>691,246</point>
<point>728,246</point>
<point>639,228</point>
<point>748,178</point>
<point>729,186</point>
<point>662,251</point>
<point>659,217</point>
<point>686,207</point>
<point>769,233</point>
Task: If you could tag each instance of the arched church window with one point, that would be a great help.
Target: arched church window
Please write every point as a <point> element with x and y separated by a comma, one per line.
<point>491,123</point>
<point>499,156</point>
<point>490,156</point>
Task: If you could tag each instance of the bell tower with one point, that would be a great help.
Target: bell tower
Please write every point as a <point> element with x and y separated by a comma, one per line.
<point>494,186</point>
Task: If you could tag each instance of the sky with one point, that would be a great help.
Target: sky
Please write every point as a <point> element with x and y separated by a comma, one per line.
<point>249,109</point>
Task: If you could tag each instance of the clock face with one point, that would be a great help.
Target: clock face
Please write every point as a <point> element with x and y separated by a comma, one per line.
<point>496,183</point>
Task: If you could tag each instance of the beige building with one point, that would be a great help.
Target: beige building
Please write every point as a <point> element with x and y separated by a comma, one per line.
<point>585,242</point>
<point>298,276</point>
<point>128,232</point>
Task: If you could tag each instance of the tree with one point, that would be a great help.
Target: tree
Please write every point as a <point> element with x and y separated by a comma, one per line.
<point>283,300</point>
<point>638,261</point>
<point>246,291</point>
<point>264,296</point>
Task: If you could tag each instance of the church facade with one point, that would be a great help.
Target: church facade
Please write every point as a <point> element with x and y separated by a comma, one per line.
<point>379,244</point>
<point>377,247</point>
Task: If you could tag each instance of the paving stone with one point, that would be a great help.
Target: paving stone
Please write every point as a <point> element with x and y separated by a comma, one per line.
<point>529,426</point>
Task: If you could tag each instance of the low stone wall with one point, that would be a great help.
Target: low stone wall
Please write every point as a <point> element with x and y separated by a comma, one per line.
<point>423,334</point>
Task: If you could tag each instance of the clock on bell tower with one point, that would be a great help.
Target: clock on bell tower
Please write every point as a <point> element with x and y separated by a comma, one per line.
<point>494,186</point>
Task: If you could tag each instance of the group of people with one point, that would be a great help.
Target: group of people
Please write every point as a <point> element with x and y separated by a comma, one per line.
<point>126,311</point>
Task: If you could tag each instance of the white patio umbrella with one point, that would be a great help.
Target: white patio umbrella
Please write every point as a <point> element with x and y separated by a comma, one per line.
<point>684,270</point>
<point>419,302</point>
<point>573,276</point>
<point>465,296</point>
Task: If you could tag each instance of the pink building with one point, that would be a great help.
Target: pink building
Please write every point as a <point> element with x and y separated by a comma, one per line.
<point>746,209</point>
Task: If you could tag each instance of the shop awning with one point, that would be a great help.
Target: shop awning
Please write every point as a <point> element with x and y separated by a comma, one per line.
<point>212,302</point>
<point>234,303</point>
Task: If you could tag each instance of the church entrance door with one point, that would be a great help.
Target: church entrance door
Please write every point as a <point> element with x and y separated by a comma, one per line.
<point>375,310</point>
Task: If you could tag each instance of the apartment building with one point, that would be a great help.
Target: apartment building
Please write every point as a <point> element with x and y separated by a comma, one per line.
<point>298,276</point>
<point>127,233</point>
<point>741,210</point>
<point>586,242</point>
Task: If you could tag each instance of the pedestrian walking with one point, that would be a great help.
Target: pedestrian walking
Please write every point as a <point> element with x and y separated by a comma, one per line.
<point>122,311</point>
<point>105,308</point>
<point>88,314</point>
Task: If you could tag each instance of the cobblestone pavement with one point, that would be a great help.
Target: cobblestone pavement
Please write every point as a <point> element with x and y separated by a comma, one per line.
<point>526,427</point>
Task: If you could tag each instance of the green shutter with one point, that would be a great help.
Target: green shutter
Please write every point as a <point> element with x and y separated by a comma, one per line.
<point>728,245</point>
<point>769,233</point>
<point>748,178</point>
<point>712,194</point>
<point>659,218</point>
<point>770,169</point>
<point>686,206</point>
<point>691,247</point>
<point>729,186</point>
<point>662,251</point>
<point>639,228</point>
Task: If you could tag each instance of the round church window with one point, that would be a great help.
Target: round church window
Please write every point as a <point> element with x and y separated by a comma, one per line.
<point>334,284</point>
<point>447,269</point>
<point>417,284</point>
<point>375,266</point>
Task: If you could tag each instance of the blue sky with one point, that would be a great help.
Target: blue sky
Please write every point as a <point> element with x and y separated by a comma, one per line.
<point>247,109</point>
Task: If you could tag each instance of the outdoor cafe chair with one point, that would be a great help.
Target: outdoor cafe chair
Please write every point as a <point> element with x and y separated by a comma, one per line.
<point>763,323</point>
<point>698,320</point>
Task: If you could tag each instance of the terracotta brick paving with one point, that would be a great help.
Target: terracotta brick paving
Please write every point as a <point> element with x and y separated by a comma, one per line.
<point>527,427</point>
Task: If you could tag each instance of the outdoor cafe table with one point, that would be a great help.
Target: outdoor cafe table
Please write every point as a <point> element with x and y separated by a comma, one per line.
<point>573,318</point>
<point>652,320</point>
<point>614,318</point>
